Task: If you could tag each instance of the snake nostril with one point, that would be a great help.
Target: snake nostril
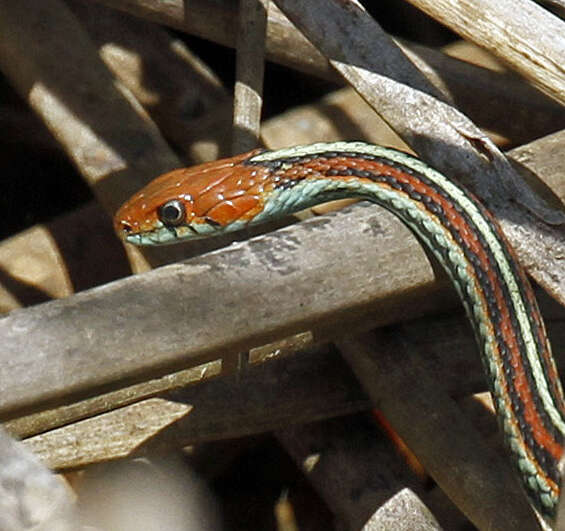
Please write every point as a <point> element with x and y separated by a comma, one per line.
<point>125,226</point>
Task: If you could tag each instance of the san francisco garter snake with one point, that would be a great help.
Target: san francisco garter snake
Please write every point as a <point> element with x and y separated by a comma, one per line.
<point>261,185</point>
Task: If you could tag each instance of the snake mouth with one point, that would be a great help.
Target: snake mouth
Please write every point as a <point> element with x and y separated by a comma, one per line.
<point>164,235</point>
<point>158,236</point>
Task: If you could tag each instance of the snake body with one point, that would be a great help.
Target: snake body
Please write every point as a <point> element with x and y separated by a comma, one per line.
<point>260,185</point>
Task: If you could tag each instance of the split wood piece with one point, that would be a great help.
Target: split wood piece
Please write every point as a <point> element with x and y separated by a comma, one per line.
<point>476,478</point>
<point>296,389</point>
<point>265,398</point>
<point>357,47</point>
<point>111,436</point>
<point>31,496</point>
<point>351,464</point>
<point>250,68</point>
<point>312,387</point>
<point>489,98</point>
<point>96,121</point>
<point>232,407</point>
<point>178,91</point>
<point>522,34</point>
<point>54,418</point>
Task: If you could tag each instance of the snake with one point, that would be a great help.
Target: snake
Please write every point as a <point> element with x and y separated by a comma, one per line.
<point>261,185</point>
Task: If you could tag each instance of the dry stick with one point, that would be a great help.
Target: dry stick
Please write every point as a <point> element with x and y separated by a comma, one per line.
<point>403,508</point>
<point>523,34</point>
<point>477,479</point>
<point>213,20</point>
<point>357,47</point>
<point>115,435</point>
<point>248,96</point>
<point>544,160</point>
<point>97,121</point>
<point>496,101</point>
<point>54,418</point>
<point>182,85</point>
<point>296,389</point>
<point>315,385</point>
<point>250,68</point>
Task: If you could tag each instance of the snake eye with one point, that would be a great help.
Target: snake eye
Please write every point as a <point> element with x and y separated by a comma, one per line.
<point>172,212</point>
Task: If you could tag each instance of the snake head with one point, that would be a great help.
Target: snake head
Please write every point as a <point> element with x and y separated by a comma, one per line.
<point>194,202</point>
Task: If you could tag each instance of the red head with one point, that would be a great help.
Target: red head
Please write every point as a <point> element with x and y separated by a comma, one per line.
<point>194,202</point>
